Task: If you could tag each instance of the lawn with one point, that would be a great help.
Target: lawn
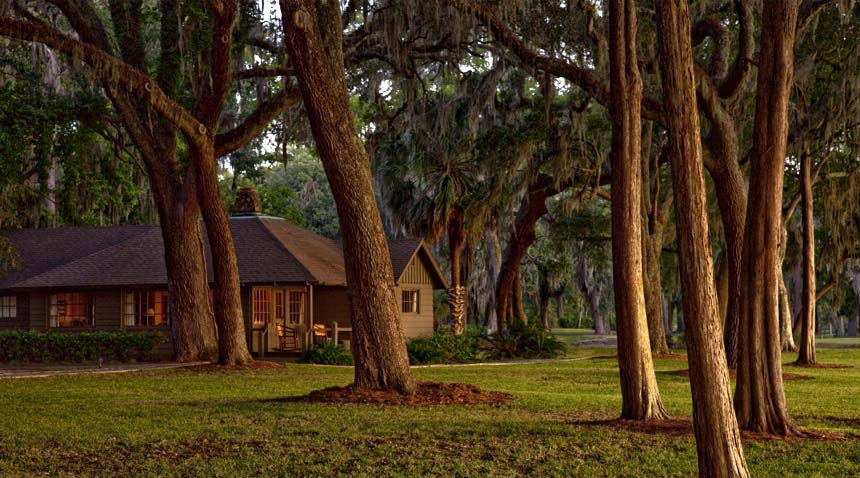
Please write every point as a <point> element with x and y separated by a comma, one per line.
<point>181,423</point>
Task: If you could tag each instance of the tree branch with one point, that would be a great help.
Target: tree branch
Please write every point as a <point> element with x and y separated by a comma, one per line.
<point>582,77</point>
<point>263,72</point>
<point>109,70</point>
<point>256,122</point>
<point>737,76</point>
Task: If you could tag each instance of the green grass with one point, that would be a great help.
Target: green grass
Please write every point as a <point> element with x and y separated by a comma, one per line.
<point>180,423</point>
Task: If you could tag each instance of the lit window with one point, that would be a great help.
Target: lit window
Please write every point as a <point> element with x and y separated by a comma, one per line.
<point>8,307</point>
<point>410,301</point>
<point>71,310</point>
<point>145,307</point>
<point>262,306</point>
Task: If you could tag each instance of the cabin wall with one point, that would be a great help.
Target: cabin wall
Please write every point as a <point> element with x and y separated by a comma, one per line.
<point>416,276</point>
<point>331,305</point>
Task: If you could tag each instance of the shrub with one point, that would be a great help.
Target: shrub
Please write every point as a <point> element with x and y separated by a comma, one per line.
<point>445,347</point>
<point>524,341</point>
<point>31,346</point>
<point>567,322</point>
<point>327,354</point>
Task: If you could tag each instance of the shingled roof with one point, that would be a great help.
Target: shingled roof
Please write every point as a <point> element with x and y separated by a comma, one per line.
<point>268,250</point>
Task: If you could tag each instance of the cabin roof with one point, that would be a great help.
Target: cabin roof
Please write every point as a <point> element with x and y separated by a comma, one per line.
<point>268,250</point>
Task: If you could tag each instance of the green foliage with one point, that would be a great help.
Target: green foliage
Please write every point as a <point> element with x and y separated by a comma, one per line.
<point>524,341</point>
<point>29,346</point>
<point>328,353</point>
<point>445,347</point>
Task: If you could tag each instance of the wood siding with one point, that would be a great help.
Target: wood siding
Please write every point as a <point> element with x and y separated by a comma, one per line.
<point>331,303</point>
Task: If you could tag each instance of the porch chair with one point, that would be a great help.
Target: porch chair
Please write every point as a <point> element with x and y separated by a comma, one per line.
<point>288,338</point>
<point>321,334</point>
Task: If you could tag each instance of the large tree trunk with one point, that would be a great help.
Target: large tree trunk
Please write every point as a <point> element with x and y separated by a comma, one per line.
<point>760,396</point>
<point>457,299</point>
<point>523,235</point>
<point>543,298</point>
<point>232,341</point>
<point>314,41</point>
<point>718,444</point>
<point>193,331</point>
<point>518,308</point>
<point>639,393</point>
<point>807,311</point>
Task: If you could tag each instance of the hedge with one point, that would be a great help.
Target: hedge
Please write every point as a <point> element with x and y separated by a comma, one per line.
<point>29,346</point>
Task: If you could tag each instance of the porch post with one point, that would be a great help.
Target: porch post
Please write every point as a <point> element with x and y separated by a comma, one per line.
<point>309,334</point>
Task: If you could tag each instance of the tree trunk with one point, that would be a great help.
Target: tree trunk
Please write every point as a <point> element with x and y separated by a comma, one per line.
<point>718,444</point>
<point>519,311</point>
<point>760,396</point>
<point>494,264</point>
<point>543,298</point>
<point>807,311</point>
<point>457,299</point>
<point>314,41</point>
<point>639,393</point>
<point>523,235</point>
<point>559,308</point>
<point>229,319</point>
<point>192,327</point>
<point>654,290</point>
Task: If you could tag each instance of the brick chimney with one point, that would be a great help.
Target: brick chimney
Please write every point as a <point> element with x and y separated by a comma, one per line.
<point>247,203</point>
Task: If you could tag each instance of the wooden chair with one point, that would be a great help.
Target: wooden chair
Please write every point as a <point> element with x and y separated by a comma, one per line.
<point>321,333</point>
<point>289,339</point>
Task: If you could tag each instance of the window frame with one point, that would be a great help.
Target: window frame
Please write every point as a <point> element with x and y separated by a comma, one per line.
<point>54,310</point>
<point>135,310</point>
<point>414,301</point>
<point>8,307</point>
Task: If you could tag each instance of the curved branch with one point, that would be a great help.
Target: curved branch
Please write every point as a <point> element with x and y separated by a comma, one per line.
<point>109,70</point>
<point>256,122</point>
<point>582,77</point>
<point>263,72</point>
<point>711,26</point>
<point>739,73</point>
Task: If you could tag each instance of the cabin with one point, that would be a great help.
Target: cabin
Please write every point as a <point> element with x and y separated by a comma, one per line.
<point>293,281</point>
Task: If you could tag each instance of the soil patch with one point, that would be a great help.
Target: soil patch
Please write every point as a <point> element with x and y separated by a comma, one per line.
<point>733,373</point>
<point>426,393</point>
<point>819,365</point>
<point>255,365</point>
<point>684,427</point>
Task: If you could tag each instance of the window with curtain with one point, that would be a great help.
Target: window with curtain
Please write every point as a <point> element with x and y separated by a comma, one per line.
<point>146,308</point>
<point>71,309</point>
<point>262,312</point>
<point>296,306</point>
<point>8,307</point>
<point>410,301</point>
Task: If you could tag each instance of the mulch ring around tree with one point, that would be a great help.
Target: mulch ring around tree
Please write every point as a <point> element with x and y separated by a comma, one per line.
<point>684,427</point>
<point>255,365</point>
<point>426,393</point>
<point>818,365</point>
<point>733,373</point>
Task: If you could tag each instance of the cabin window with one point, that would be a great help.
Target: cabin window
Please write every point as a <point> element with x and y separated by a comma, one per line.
<point>262,306</point>
<point>8,307</point>
<point>296,306</point>
<point>145,307</point>
<point>410,301</point>
<point>71,310</point>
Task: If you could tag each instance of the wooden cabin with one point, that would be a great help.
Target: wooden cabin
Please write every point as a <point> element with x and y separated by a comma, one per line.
<point>293,282</point>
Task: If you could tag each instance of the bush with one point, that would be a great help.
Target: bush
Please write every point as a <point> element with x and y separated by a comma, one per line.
<point>445,347</point>
<point>524,341</point>
<point>567,322</point>
<point>327,354</point>
<point>30,346</point>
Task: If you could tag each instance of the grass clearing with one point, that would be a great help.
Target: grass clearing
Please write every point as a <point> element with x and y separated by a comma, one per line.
<point>183,423</point>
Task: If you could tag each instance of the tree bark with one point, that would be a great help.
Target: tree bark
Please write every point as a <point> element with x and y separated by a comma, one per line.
<point>760,397</point>
<point>229,319</point>
<point>718,443</point>
<point>654,290</point>
<point>807,311</point>
<point>457,299</point>
<point>639,393</point>
<point>494,264</point>
<point>314,41</point>
<point>523,235</point>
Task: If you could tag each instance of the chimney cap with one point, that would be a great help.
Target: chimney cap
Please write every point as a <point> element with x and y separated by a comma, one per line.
<point>247,203</point>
